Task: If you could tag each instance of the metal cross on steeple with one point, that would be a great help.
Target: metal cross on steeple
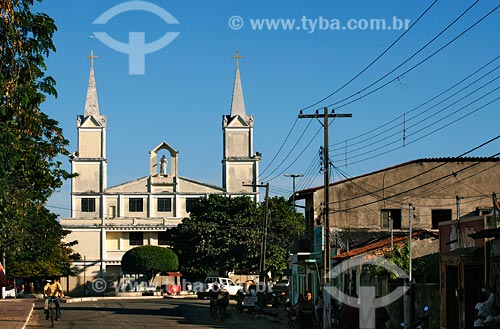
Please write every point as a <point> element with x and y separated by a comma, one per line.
<point>237,57</point>
<point>92,58</point>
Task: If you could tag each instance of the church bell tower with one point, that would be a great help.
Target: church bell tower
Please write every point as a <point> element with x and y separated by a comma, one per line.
<point>89,162</point>
<point>240,166</point>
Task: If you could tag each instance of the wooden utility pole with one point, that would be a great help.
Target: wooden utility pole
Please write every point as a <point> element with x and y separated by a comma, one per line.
<point>263,247</point>
<point>326,225</point>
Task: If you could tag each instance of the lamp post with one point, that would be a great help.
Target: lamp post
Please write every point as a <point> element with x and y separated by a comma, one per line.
<point>293,178</point>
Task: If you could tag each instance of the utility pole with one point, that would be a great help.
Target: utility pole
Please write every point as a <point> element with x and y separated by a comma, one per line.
<point>458,207</point>
<point>409,299</point>
<point>263,248</point>
<point>4,273</point>
<point>494,198</point>
<point>293,178</point>
<point>326,254</point>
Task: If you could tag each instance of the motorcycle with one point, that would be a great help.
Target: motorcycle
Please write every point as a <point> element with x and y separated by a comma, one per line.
<point>279,299</point>
<point>421,323</point>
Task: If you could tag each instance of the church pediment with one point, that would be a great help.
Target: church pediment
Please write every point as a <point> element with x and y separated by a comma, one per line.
<point>237,121</point>
<point>139,185</point>
<point>164,146</point>
<point>91,122</point>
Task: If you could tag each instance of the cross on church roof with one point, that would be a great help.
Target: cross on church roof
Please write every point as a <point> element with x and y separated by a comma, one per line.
<point>92,57</point>
<point>237,57</point>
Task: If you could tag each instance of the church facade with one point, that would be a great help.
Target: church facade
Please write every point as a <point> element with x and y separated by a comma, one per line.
<point>108,221</point>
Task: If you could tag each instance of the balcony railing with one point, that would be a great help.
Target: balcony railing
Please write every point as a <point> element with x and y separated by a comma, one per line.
<point>120,222</point>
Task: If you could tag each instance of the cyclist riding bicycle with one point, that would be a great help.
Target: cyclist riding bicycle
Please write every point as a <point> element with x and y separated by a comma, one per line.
<point>52,291</point>
<point>223,302</point>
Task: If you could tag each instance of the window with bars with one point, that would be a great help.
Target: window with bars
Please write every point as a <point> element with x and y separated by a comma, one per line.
<point>136,238</point>
<point>88,205</point>
<point>164,205</point>
<point>135,205</point>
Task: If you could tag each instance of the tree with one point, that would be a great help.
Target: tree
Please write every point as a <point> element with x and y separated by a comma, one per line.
<point>225,234</point>
<point>31,145</point>
<point>424,269</point>
<point>149,260</point>
<point>284,228</point>
<point>217,235</point>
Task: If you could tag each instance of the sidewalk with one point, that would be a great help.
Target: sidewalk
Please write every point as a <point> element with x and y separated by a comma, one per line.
<point>15,313</point>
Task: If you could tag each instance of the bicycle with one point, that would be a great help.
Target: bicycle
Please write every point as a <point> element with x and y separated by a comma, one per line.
<point>223,312</point>
<point>213,308</point>
<point>52,310</point>
<point>222,303</point>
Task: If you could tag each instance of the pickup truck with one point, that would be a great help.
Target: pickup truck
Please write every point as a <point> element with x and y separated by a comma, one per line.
<point>226,283</point>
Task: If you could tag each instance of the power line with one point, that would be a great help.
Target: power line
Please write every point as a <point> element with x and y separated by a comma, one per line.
<point>409,70</point>
<point>421,62</point>
<point>440,49</point>
<point>418,107</point>
<point>374,61</point>
<point>307,174</point>
<point>423,120</point>
<point>293,148</point>
<point>417,187</point>
<point>295,160</point>
<point>426,135</point>
<point>418,64</point>
<point>281,147</point>
<point>423,172</point>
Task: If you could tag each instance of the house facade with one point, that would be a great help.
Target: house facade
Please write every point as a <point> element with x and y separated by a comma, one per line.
<point>469,263</point>
<point>108,221</point>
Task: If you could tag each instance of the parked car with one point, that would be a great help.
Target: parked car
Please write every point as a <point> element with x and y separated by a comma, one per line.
<point>202,289</point>
<point>282,285</point>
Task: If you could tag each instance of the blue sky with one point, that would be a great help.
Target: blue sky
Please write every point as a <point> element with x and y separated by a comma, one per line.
<point>187,85</point>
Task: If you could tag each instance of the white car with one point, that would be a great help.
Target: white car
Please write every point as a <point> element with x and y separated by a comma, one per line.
<point>10,293</point>
<point>221,282</point>
<point>281,285</point>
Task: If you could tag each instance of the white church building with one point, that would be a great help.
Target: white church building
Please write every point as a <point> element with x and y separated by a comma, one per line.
<point>108,221</point>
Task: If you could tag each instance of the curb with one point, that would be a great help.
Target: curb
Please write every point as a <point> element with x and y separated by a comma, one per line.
<point>95,299</point>
<point>28,317</point>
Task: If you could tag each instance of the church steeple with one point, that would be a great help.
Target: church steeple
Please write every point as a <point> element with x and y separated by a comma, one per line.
<point>238,102</point>
<point>92,103</point>
<point>90,160</point>
<point>239,163</point>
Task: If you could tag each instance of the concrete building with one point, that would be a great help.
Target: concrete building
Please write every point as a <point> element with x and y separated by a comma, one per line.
<point>369,209</point>
<point>439,189</point>
<point>108,221</point>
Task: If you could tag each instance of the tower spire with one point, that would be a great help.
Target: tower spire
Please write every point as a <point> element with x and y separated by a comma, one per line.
<point>91,103</point>
<point>238,102</point>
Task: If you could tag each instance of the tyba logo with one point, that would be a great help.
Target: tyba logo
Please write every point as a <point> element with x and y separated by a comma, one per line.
<point>136,48</point>
<point>366,301</point>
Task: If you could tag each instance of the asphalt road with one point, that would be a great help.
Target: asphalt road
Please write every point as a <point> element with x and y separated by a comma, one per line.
<point>146,314</point>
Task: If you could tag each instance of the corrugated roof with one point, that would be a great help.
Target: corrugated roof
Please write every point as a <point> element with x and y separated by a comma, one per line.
<point>379,245</point>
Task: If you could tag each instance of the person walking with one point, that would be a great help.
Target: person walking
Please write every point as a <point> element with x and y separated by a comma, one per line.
<point>306,312</point>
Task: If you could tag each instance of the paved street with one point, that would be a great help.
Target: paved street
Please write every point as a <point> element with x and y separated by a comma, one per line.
<point>153,313</point>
